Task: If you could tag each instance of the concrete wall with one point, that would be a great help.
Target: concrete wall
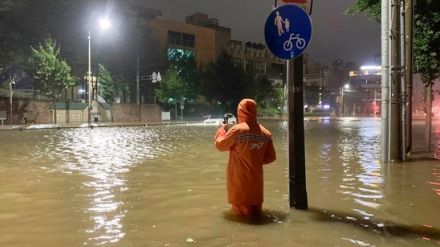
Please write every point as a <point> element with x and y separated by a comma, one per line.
<point>128,113</point>
<point>36,111</point>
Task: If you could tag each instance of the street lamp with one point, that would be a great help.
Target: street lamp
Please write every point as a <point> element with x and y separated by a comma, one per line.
<point>104,24</point>
<point>11,92</point>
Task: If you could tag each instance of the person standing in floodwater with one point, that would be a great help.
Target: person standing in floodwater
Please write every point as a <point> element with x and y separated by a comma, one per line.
<point>250,147</point>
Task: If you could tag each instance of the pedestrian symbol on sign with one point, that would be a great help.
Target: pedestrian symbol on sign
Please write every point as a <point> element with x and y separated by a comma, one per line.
<point>281,24</point>
<point>288,31</point>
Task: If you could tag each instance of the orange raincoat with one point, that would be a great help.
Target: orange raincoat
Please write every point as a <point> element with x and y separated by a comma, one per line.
<point>250,147</point>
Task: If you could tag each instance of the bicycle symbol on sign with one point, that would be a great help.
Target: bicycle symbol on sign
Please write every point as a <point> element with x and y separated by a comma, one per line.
<point>300,43</point>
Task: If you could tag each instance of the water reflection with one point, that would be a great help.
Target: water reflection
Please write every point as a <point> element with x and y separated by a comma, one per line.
<point>164,185</point>
<point>434,181</point>
<point>361,176</point>
<point>104,155</point>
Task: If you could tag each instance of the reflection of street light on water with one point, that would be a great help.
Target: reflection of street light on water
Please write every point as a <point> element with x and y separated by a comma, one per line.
<point>104,24</point>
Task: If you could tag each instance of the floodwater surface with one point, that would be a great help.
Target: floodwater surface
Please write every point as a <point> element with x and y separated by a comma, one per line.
<point>165,186</point>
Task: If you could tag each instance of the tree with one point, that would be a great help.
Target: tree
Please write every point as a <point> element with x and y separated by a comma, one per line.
<point>122,89</point>
<point>261,89</point>
<point>51,74</point>
<point>106,83</point>
<point>369,8</point>
<point>427,57</point>
<point>224,84</point>
<point>172,89</point>
<point>184,62</point>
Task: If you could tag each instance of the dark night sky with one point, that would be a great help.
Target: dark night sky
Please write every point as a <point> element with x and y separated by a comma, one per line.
<point>335,34</point>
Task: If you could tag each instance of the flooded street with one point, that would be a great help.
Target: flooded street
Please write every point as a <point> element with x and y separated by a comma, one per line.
<point>165,186</point>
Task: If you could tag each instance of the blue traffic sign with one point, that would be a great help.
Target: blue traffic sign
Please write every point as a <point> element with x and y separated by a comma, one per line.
<point>288,31</point>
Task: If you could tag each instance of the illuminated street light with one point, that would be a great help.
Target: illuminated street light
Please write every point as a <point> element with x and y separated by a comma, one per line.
<point>105,23</point>
<point>371,67</point>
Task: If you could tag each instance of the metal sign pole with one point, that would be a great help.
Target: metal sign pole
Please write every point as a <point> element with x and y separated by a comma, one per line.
<point>289,42</point>
<point>297,175</point>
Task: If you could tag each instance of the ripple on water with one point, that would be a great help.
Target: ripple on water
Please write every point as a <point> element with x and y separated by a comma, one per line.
<point>104,155</point>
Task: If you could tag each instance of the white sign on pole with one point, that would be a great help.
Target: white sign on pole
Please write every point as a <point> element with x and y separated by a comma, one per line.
<point>305,4</point>
<point>154,77</point>
<point>166,116</point>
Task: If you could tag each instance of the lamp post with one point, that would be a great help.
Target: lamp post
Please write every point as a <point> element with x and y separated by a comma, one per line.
<point>11,92</point>
<point>104,24</point>
<point>89,80</point>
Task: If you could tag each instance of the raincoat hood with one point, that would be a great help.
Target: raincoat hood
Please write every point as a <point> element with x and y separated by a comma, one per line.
<point>247,111</point>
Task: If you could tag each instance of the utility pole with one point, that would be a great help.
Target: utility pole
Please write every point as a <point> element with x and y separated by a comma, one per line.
<point>409,26</point>
<point>403,76</point>
<point>385,81</point>
<point>11,91</point>
<point>297,173</point>
<point>89,81</point>
<point>396,104</point>
<point>341,103</point>
<point>138,103</point>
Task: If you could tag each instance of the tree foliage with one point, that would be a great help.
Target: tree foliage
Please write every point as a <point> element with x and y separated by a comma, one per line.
<point>369,8</point>
<point>261,89</point>
<point>186,67</point>
<point>122,88</point>
<point>224,84</point>
<point>172,88</point>
<point>106,84</point>
<point>427,43</point>
<point>51,73</point>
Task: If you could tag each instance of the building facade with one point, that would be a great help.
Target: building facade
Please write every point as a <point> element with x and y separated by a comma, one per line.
<point>199,36</point>
<point>257,58</point>
<point>361,95</point>
<point>204,38</point>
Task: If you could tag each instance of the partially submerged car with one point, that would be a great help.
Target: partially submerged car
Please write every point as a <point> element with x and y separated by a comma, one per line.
<point>227,118</point>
